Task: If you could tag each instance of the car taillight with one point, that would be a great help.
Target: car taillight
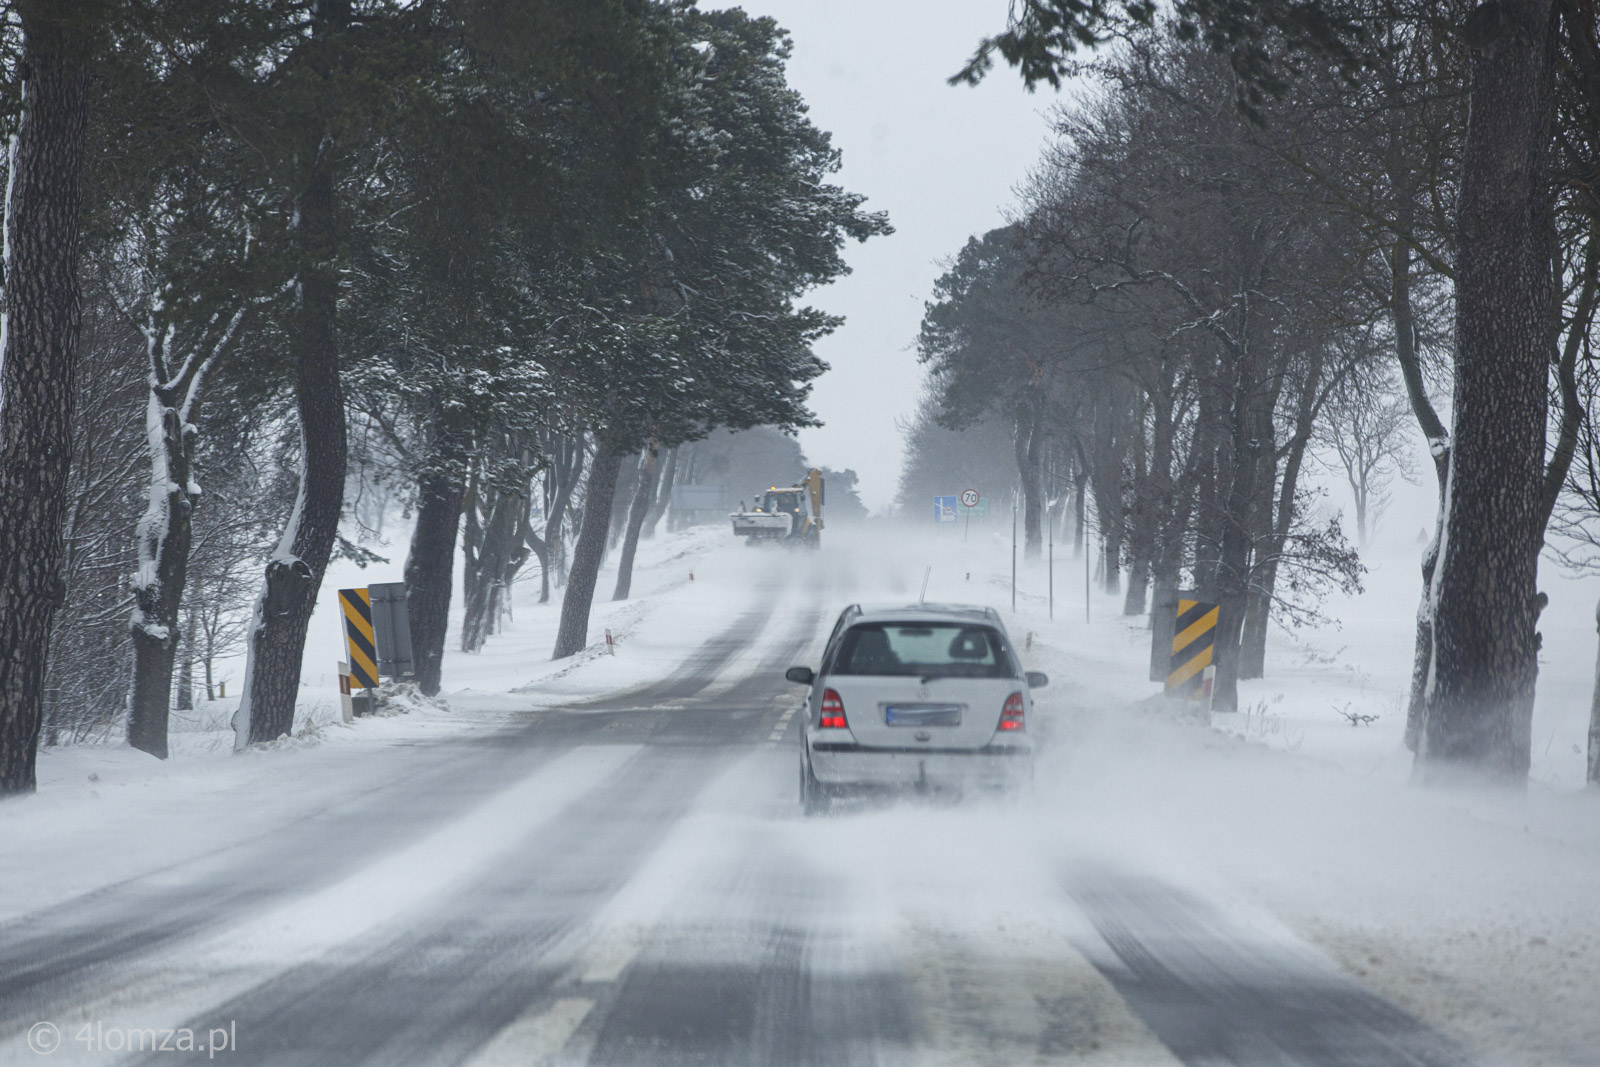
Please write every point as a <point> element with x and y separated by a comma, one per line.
<point>832,711</point>
<point>1011,714</point>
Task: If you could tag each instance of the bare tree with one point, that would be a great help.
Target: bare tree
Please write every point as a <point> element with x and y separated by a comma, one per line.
<point>1365,434</point>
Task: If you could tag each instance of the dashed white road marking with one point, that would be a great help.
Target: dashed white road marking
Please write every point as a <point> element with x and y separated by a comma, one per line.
<point>536,1038</point>
<point>610,960</point>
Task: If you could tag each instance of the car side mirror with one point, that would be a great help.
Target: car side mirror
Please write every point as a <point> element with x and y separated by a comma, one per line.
<point>800,675</point>
<point>1038,679</point>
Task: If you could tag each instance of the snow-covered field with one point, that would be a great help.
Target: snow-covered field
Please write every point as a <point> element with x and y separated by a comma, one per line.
<point>1476,912</point>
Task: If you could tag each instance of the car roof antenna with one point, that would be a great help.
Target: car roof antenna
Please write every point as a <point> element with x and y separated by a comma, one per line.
<point>922,597</point>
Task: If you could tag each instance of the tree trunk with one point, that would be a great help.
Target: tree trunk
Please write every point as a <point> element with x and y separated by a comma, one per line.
<point>165,531</point>
<point>644,500</point>
<point>628,477</point>
<point>1477,719</point>
<point>1265,547</point>
<point>1593,775</point>
<point>573,635</point>
<point>38,365</point>
<point>1237,541</point>
<point>1110,561</point>
<point>183,700</point>
<point>663,496</point>
<point>541,552</point>
<point>294,574</point>
<point>554,535</point>
<point>1145,508</point>
<point>518,549</point>
<point>1105,480</point>
<point>165,534</point>
<point>1210,454</point>
<point>1422,649</point>
<point>430,571</point>
<point>487,569</point>
<point>1080,504</point>
<point>675,519</point>
<point>1167,575</point>
<point>1028,444</point>
<point>1439,448</point>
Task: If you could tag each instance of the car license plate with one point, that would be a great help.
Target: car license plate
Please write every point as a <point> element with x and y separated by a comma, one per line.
<point>922,714</point>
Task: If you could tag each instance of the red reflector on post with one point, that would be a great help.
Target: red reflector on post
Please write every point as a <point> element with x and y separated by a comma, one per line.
<point>832,711</point>
<point>1011,715</point>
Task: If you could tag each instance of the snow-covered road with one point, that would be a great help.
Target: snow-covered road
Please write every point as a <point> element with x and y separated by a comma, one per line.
<point>605,863</point>
<point>629,881</point>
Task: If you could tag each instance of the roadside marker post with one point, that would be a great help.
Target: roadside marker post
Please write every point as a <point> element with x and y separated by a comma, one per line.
<point>1191,674</point>
<point>347,708</point>
<point>611,646</point>
<point>356,607</point>
<point>377,635</point>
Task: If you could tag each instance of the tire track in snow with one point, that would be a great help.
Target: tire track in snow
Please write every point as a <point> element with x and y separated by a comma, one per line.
<point>433,987</point>
<point>60,954</point>
<point>1217,991</point>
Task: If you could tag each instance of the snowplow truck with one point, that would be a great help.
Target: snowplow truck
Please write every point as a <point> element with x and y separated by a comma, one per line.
<point>784,515</point>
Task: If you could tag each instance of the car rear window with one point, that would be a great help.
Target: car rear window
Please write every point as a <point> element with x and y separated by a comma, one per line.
<point>937,650</point>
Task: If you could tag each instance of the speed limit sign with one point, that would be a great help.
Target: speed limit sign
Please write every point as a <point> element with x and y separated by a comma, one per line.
<point>969,498</point>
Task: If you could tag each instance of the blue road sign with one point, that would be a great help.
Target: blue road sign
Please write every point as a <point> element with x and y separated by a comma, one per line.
<point>944,508</point>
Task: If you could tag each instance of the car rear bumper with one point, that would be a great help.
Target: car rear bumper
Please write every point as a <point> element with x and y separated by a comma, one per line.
<point>841,763</point>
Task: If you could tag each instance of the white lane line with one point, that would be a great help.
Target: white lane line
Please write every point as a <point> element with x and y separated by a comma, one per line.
<point>188,981</point>
<point>536,1038</point>
<point>610,959</point>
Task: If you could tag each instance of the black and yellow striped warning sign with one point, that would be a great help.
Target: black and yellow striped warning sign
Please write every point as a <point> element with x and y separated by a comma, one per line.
<point>1193,639</point>
<point>356,605</point>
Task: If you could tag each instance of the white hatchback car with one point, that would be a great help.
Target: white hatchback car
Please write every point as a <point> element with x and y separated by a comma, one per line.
<point>925,696</point>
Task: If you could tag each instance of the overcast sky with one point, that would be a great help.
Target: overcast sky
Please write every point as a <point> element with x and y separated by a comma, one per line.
<point>941,161</point>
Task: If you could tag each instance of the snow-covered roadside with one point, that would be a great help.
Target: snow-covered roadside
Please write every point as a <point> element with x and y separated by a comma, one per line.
<point>105,812</point>
<point>1477,912</point>
<point>686,587</point>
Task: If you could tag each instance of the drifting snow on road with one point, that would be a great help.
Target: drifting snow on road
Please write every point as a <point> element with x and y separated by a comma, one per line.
<point>606,863</point>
